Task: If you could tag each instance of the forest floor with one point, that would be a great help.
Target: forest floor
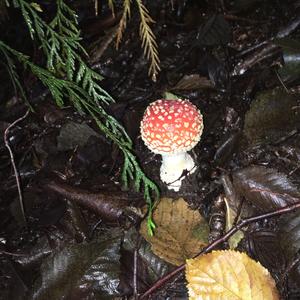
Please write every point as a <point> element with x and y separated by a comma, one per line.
<point>83,237</point>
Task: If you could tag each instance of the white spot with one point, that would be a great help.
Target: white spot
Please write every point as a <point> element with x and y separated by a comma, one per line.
<point>161,118</point>
<point>186,124</point>
<point>170,117</point>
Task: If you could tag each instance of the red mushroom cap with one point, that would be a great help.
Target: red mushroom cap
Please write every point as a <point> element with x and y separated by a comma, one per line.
<point>171,126</point>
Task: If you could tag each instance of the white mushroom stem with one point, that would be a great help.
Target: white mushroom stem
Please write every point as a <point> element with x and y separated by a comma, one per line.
<point>172,168</point>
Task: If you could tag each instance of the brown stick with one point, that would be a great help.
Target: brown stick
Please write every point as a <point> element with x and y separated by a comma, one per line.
<point>222,239</point>
<point>12,159</point>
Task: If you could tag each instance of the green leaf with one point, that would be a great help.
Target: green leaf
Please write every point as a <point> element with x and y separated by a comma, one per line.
<point>170,96</point>
<point>36,6</point>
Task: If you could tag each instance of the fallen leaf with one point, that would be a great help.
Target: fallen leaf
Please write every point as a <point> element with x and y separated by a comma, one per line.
<point>216,31</point>
<point>272,115</point>
<point>244,5</point>
<point>228,275</point>
<point>150,266</point>
<point>192,82</point>
<point>180,231</point>
<point>289,237</point>
<point>290,71</point>
<point>79,270</point>
<point>264,245</point>
<point>74,134</point>
<point>170,96</point>
<point>265,188</point>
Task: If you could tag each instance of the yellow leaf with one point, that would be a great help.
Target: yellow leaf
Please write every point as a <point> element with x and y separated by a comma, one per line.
<point>180,231</point>
<point>229,275</point>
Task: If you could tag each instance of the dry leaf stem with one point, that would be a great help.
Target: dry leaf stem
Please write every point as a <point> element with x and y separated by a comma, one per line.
<point>12,159</point>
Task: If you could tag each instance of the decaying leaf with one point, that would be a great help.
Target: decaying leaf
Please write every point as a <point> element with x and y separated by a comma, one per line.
<point>180,231</point>
<point>289,238</point>
<point>150,266</point>
<point>271,116</point>
<point>244,5</point>
<point>73,134</point>
<point>228,275</point>
<point>291,57</point>
<point>265,188</point>
<point>84,269</point>
<point>264,245</point>
<point>216,31</point>
<point>192,82</point>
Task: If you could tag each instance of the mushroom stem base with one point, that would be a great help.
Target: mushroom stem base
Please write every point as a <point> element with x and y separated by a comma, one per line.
<point>171,170</point>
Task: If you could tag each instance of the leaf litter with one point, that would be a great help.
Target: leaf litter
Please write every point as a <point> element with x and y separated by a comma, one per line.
<point>88,229</point>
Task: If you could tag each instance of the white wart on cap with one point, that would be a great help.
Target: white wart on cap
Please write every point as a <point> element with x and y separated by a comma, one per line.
<point>171,128</point>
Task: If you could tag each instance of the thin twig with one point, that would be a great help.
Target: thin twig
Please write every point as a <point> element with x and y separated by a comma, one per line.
<point>282,83</point>
<point>135,291</point>
<point>17,175</point>
<point>222,239</point>
<point>12,254</point>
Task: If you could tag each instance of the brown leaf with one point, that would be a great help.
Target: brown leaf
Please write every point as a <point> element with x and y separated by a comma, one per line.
<point>112,207</point>
<point>192,82</point>
<point>289,238</point>
<point>228,275</point>
<point>265,188</point>
<point>178,231</point>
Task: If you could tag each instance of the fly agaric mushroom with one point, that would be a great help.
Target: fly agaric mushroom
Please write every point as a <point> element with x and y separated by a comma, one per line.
<point>171,128</point>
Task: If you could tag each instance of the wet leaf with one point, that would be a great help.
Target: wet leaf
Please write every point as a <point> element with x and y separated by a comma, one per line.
<point>291,57</point>
<point>272,115</point>
<point>290,240</point>
<point>192,82</point>
<point>216,31</point>
<point>151,267</point>
<point>288,44</point>
<point>265,188</point>
<point>12,285</point>
<point>74,134</point>
<point>264,245</point>
<point>80,270</point>
<point>228,275</point>
<point>109,206</point>
<point>243,5</point>
<point>180,232</point>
